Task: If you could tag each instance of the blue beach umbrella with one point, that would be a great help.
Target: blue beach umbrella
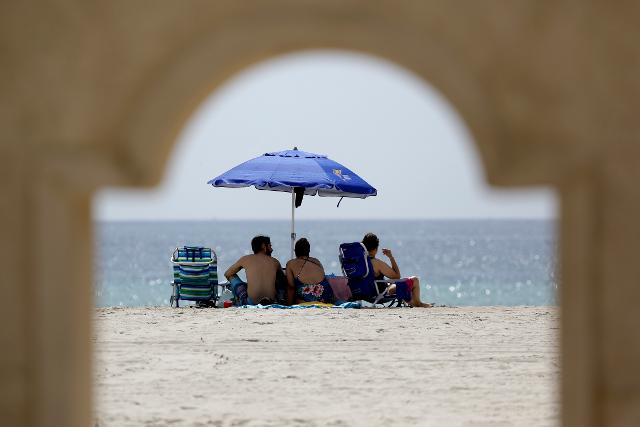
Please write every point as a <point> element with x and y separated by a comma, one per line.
<point>299,173</point>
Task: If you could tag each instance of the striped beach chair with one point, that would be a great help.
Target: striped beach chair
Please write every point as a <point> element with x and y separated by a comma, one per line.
<point>195,275</point>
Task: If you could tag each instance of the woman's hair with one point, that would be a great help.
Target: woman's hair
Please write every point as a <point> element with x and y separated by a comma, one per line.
<point>370,241</point>
<point>302,247</point>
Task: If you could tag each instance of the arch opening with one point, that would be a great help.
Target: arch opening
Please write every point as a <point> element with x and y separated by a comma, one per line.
<point>473,245</point>
<point>377,118</point>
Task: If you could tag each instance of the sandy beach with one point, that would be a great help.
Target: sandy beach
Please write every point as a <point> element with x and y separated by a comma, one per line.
<point>480,366</point>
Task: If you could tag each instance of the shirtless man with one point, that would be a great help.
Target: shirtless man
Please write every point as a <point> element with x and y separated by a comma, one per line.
<point>261,270</point>
<point>381,270</point>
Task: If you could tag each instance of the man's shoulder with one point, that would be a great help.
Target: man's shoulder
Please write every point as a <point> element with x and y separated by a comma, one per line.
<point>247,259</point>
<point>261,258</point>
<point>376,261</point>
<point>275,261</point>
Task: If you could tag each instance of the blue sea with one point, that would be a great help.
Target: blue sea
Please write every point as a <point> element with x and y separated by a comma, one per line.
<point>459,262</point>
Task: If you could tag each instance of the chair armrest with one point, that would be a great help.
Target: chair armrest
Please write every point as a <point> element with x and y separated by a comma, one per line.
<point>226,285</point>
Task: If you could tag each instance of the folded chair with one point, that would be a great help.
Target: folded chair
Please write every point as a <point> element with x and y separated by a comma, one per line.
<point>195,276</point>
<point>357,267</point>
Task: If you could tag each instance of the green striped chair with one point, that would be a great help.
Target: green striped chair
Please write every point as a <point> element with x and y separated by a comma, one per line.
<point>195,276</point>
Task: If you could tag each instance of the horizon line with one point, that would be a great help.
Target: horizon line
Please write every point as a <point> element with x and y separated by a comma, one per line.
<point>516,218</point>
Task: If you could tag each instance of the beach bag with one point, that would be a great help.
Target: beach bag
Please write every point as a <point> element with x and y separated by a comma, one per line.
<point>340,287</point>
<point>403,290</point>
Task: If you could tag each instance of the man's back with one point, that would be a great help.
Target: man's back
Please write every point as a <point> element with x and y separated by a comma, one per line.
<point>261,272</point>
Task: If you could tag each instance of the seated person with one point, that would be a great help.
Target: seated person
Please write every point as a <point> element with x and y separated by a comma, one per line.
<point>261,269</point>
<point>305,276</point>
<point>382,269</point>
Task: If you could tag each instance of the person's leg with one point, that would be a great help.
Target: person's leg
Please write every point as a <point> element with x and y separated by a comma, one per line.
<point>239,290</point>
<point>414,285</point>
<point>415,295</point>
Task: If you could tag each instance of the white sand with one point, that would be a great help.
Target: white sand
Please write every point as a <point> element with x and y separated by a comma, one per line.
<point>337,367</point>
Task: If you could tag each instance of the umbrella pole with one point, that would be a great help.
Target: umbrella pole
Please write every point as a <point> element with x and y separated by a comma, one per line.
<point>293,215</point>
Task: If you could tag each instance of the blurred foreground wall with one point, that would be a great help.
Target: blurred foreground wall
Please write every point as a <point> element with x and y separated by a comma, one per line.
<point>94,93</point>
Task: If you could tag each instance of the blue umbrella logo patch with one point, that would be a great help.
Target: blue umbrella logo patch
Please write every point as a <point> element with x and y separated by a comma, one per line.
<point>338,173</point>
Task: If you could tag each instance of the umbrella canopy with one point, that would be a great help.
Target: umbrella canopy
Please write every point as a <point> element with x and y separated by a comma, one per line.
<point>295,171</point>
<point>289,169</point>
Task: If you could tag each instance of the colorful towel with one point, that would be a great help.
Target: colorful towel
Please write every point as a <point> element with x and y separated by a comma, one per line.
<point>305,305</point>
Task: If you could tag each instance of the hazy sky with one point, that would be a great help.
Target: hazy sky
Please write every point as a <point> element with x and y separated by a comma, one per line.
<point>381,121</point>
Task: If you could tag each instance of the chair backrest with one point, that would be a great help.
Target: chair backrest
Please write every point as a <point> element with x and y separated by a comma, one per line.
<point>193,254</point>
<point>353,260</point>
<point>356,266</point>
<point>195,269</point>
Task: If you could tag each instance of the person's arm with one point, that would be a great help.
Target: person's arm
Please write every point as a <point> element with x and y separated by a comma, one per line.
<point>291,288</point>
<point>234,269</point>
<point>392,272</point>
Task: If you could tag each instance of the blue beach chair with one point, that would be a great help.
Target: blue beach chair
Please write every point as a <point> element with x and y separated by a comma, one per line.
<point>195,276</point>
<point>357,267</point>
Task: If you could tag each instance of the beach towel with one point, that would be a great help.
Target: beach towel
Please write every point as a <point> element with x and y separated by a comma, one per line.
<point>356,304</point>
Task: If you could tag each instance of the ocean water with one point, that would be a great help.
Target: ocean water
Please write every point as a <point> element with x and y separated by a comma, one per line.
<point>459,262</point>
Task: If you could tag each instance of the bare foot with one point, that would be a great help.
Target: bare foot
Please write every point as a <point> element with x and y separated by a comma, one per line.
<point>423,305</point>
